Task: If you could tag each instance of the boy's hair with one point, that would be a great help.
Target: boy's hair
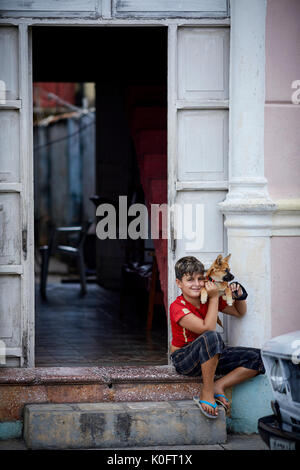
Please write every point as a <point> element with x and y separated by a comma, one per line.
<point>188,265</point>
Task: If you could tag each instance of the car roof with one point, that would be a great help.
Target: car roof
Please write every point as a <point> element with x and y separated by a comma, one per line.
<point>284,345</point>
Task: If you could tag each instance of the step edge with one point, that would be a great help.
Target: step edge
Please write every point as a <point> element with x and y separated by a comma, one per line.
<point>90,375</point>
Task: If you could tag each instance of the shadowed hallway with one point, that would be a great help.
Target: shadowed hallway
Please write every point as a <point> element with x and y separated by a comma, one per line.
<point>90,331</point>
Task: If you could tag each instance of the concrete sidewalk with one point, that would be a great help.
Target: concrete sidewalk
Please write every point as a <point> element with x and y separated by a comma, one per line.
<point>234,442</point>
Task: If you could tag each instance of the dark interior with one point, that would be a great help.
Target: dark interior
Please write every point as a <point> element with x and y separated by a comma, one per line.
<point>125,56</point>
<point>129,69</point>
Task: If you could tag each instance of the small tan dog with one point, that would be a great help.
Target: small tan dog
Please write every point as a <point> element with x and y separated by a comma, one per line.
<point>219,273</point>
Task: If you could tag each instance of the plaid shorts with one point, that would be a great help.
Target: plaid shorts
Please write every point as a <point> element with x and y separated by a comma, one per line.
<point>188,360</point>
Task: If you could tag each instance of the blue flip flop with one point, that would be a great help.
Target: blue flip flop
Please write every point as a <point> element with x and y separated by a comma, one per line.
<point>220,402</point>
<point>198,402</point>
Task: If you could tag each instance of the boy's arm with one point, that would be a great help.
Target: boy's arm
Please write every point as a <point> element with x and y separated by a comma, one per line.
<point>195,324</point>
<point>239,308</point>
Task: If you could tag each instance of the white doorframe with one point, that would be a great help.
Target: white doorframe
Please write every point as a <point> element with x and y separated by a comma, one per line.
<point>26,141</point>
<point>16,193</point>
<point>172,164</point>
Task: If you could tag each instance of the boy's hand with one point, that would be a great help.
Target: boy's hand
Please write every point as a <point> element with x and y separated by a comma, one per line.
<point>235,289</point>
<point>212,289</point>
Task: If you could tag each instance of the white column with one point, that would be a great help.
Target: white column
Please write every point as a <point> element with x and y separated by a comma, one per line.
<point>248,208</point>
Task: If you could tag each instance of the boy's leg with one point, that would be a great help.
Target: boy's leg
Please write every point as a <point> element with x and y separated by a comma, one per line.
<point>200,358</point>
<point>188,360</point>
<point>236,376</point>
<point>208,369</point>
<point>237,364</point>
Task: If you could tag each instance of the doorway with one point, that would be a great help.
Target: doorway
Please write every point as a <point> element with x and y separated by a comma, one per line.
<point>103,136</point>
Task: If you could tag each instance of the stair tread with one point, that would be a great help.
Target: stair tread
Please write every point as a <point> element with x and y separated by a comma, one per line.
<point>105,375</point>
<point>98,425</point>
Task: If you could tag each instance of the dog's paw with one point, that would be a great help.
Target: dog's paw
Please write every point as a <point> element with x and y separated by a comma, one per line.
<point>203,296</point>
<point>228,296</point>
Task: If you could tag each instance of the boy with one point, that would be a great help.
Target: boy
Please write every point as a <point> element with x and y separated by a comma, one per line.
<point>197,349</point>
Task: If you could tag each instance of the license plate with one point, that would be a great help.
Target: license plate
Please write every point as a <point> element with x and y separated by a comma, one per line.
<point>281,444</point>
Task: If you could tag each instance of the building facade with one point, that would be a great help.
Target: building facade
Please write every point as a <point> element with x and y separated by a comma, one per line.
<point>233,148</point>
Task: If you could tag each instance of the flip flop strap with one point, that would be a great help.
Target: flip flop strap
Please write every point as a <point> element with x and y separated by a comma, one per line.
<point>208,403</point>
<point>220,395</point>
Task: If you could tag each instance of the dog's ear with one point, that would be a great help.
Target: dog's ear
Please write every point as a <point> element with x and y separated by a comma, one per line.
<point>227,258</point>
<point>219,260</point>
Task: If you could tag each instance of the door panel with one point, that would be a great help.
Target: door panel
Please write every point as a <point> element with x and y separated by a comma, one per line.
<point>10,230</point>
<point>197,143</point>
<point>9,325</point>
<point>170,8</point>
<point>10,146</point>
<point>205,222</point>
<point>9,60</point>
<point>16,208</point>
<point>200,129</point>
<point>202,145</point>
<point>203,62</point>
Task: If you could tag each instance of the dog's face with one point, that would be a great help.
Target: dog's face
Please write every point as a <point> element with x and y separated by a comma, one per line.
<point>220,270</point>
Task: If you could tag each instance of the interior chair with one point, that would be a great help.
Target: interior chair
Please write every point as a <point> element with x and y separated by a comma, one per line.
<point>74,249</point>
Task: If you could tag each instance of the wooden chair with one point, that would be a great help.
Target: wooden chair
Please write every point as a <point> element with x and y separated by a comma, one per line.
<point>75,250</point>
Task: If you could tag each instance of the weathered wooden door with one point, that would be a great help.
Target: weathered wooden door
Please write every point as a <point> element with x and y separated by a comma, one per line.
<point>16,199</point>
<point>198,105</point>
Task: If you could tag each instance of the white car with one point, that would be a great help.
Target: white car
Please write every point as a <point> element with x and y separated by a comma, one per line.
<point>281,357</point>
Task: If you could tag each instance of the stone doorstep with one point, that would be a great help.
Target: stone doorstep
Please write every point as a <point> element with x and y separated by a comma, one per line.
<point>120,425</point>
<point>19,387</point>
<point>86,375</point>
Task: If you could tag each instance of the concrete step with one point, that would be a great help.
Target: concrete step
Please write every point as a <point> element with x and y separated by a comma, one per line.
<point>120,425</point>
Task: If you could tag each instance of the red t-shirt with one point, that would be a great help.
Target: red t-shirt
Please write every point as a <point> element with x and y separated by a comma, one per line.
<point>181,307</point>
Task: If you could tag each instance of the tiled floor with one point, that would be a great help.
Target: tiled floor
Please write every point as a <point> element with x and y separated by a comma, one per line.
<point>90,330</point>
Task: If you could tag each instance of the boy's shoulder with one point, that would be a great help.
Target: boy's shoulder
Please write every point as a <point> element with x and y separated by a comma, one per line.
<point>178,302</point>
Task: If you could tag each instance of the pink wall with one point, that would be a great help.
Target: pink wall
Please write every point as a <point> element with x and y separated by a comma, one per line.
<point>282,153</point>
<point>282,150</point>
<point>282,118</point>
<point>285,262</point>
<point>282,47</point>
